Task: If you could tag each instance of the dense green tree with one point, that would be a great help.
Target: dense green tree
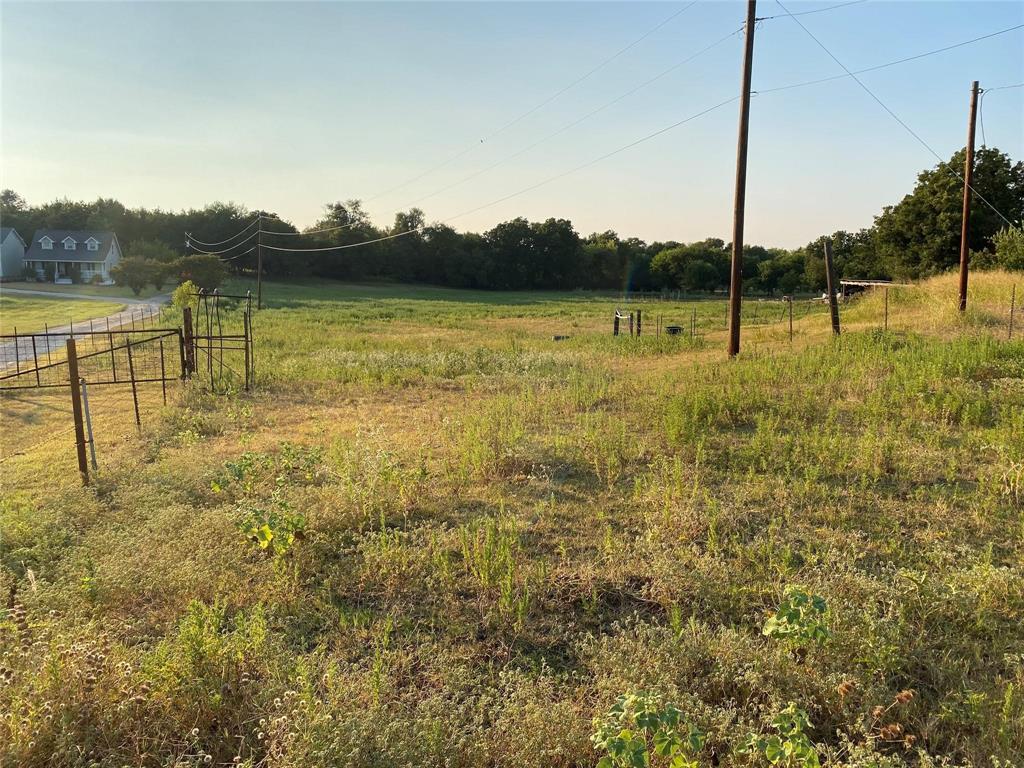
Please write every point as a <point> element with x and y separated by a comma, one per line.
<point>208,272</point>
<point>672,265</point>
<point>920,235</point>
<point>151,249</point>
<point>134,272</point>
<point>1009,244</point>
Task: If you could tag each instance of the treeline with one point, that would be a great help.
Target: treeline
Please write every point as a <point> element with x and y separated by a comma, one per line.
<point>916,237</point>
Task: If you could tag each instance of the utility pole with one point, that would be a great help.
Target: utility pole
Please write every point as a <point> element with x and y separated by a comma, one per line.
<point>736,275</point>
<point>965,254</point>
<point>259,260</point>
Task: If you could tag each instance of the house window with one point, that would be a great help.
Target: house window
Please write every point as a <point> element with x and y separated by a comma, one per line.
<point>47,244</point>
<point>70,243</point>
<point>92,244</point>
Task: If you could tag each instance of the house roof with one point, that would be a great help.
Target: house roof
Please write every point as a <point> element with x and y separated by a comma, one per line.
<point>35,251</point>
<point>5,231</point>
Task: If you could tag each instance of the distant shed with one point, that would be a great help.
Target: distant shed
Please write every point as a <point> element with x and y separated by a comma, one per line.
<point>12,254</point>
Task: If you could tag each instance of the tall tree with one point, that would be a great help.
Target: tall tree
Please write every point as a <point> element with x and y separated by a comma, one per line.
<point>920,235</point>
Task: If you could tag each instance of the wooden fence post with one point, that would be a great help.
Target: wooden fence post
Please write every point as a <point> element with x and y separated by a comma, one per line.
<point>76,410</point>
<point>886,326</point>
<point>639,321</point>
<point>790,319</point>
<point>833,304</point>
<point>615,324</point>
<point>188,350</point>
<point>630,323</point>
<point>1013,305</point>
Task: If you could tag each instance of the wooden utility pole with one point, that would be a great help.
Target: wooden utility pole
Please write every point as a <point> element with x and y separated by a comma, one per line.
<point>76,410</point>
<point>259,261</point>
<point>736,276</point>
<point>965,253</point>
<point>833,303</point>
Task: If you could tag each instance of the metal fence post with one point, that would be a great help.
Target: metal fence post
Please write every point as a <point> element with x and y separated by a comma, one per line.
<point>163,372</point>
<point>76,410</point>
<point>88,424</point>
<point>35,358</point>
<point>245,333</point>
<point>135,391</point>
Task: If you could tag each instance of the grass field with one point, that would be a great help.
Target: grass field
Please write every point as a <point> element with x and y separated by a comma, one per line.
<point>110,291</point>
<point>436,536</point>
<point>33,313</point>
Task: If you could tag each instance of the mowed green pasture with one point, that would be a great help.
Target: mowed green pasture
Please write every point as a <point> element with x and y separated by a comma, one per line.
<point>27,314</point>
<point>435,536</point>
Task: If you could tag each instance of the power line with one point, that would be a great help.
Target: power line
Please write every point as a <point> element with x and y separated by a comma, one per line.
<point>227,240</point>
<point>981,106</point>
<point>537,106</point>
<point>577,121</point>
<point>189,241</point>
<point>891,113</point>
<point>522,191</point>
<point>676,66</point>
<point>313,231</point>
<point>892,63</point>
<point>817,10</point>
<point>237,255</point>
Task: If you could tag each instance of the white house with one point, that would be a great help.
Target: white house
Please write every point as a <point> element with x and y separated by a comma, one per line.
<point>66,256</point>
<point>12,254</point>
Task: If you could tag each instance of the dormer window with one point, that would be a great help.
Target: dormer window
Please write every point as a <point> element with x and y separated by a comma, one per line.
<point>92,244</point>
<point>46,243</point>
<point>70,243</point>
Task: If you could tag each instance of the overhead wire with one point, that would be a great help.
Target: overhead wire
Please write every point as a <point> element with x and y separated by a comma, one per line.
<point>313,231</point>
<point>245,240</point>
<point>888,64</point>
<point>892,114</point>
<point>688,59</point>
<point>519,192</point>
<point>816,10</point>
<point>847,73</point>
<point>226,240</point>
<point>578,120</point>
<point>536,107</point>
<point>981,106</point>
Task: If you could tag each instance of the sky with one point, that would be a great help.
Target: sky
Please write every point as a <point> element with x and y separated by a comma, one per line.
<point>287,106</point>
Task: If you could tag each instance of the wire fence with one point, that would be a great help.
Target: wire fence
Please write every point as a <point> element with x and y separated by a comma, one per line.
<point>114,374</point>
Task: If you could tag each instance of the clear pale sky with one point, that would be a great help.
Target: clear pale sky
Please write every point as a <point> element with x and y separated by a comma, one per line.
<point>288,106</point>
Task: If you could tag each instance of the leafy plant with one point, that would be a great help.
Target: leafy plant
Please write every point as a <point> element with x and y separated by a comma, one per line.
<point>275,528</point>
<point>638,723</point>
<point>800,619</point>
<point>790,746</point>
